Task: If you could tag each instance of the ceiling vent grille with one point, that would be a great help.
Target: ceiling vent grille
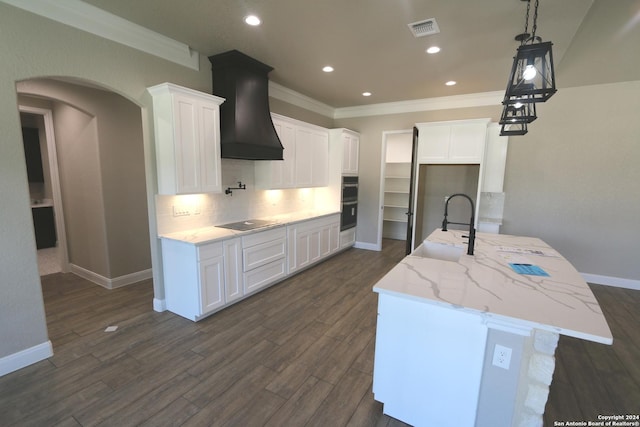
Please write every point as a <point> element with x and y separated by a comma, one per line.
<point>423,28</point>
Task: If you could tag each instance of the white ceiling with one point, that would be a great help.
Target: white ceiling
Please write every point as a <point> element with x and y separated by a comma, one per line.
<point>368,42</point>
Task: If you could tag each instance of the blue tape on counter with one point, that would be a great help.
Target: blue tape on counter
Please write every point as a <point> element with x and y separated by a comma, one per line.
<point>529,269</point>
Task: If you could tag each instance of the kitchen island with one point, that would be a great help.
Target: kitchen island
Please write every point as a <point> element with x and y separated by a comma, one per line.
<point>470,340</point>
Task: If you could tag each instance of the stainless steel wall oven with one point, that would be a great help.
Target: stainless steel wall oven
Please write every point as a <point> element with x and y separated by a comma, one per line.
<point>349,215</point>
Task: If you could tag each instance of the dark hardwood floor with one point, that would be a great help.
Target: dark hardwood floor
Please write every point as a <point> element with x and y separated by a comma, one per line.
<point>298,354</point>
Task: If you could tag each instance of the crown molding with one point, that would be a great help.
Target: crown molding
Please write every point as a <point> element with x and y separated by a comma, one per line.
<point>91,19</point>
<point>417,105</point>
<point>428,104</point>
<point>292,97</point>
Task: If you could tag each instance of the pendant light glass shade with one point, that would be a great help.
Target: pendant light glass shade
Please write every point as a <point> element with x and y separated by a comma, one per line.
<point>513,129</point>
<point>532,75</point>
<point>516,117</point>
<point>521,112</point>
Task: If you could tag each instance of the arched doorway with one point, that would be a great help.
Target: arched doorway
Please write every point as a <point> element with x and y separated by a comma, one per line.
<point>99,167</point>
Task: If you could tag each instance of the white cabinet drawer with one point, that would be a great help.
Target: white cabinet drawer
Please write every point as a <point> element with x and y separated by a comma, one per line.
<point>210,250</point>
<point>264,275</point>
<point>262,254</point>
<point>264,236</point>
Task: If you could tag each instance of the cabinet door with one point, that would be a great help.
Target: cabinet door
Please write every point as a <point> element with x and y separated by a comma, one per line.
<point>320,157</point>
<point>314,244</point>
<point>187,144</point>
<point>304,158</point>
<point>334,237</point>
<point>273,174</point>
<point>433,144</point>
<point>233,286</point>
<point>325,241</point>
<point>302,249</point>
<point>210,173</point>
<point>350,148</point>
<point>467,143</point>
<point>211,284</point>
<point>284,172</point>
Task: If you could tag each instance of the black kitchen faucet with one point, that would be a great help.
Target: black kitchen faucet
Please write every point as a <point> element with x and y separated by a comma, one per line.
<point>472,230</point>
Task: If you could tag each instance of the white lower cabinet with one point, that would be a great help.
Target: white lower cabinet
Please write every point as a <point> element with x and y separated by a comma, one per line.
<point>347,238</point>
<point>310,241</point>
<point>202,279</point>
<point>193,278</point>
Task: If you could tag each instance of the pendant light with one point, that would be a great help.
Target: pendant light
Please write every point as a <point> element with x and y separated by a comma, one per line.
<point>532,77</point>
<point>515,118</point>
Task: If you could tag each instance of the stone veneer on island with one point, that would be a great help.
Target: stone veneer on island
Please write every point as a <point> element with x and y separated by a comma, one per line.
<point>466,340</point>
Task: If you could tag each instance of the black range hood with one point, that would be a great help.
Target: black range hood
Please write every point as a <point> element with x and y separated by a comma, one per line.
<point>246,129</point>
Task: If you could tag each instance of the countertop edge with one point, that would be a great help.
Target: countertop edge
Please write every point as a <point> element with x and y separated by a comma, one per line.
<point>488,317</point>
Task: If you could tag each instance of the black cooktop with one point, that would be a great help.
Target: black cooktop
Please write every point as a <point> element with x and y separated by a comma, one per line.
<point>249,224</point>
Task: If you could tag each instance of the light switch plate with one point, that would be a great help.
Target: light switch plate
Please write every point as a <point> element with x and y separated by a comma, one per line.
<point>180,211</point>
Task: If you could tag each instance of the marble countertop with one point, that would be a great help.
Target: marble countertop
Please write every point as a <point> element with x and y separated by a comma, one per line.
<point>486,284</point>
<point>203,235</point>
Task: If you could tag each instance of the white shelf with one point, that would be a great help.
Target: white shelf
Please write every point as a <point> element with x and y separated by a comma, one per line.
<point>396,200</point>
<point>394,220</point>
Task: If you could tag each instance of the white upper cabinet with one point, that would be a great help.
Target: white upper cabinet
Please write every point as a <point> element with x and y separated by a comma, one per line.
<point>187,136</point>
<point>306,157</point>
<point>350,152</point>
<point>460,141</point>
<point>281,174</point>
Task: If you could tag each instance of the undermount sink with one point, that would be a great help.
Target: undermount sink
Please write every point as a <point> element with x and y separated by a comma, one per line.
<point>438,251</point>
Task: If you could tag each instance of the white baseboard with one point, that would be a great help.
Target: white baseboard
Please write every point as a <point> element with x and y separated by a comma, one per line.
<point>26,357</point>
<point>367,246</point>
<point>105,282</point>
<point>618,282</point>
<point>159,305</point>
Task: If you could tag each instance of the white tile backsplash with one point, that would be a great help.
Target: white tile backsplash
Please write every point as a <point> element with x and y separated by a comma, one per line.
<point>241,204</point>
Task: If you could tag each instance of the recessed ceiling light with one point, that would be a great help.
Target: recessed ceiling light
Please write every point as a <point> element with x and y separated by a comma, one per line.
<point>450,83</point>
<point>433,49</point>
<point>366,93</point>
<point>252,20</point>
<point>327,69</point>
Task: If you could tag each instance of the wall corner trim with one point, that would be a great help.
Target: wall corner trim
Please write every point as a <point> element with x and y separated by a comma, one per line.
<point>86,17</point>
<point>26,357</point>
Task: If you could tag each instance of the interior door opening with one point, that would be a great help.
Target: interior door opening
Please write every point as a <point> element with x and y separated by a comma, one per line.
<point>44,189</point>
<point>396,183</point>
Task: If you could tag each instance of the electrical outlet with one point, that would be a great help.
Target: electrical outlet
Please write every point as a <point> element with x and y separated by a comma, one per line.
<point>180,211</point>
<point>502,357</point>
